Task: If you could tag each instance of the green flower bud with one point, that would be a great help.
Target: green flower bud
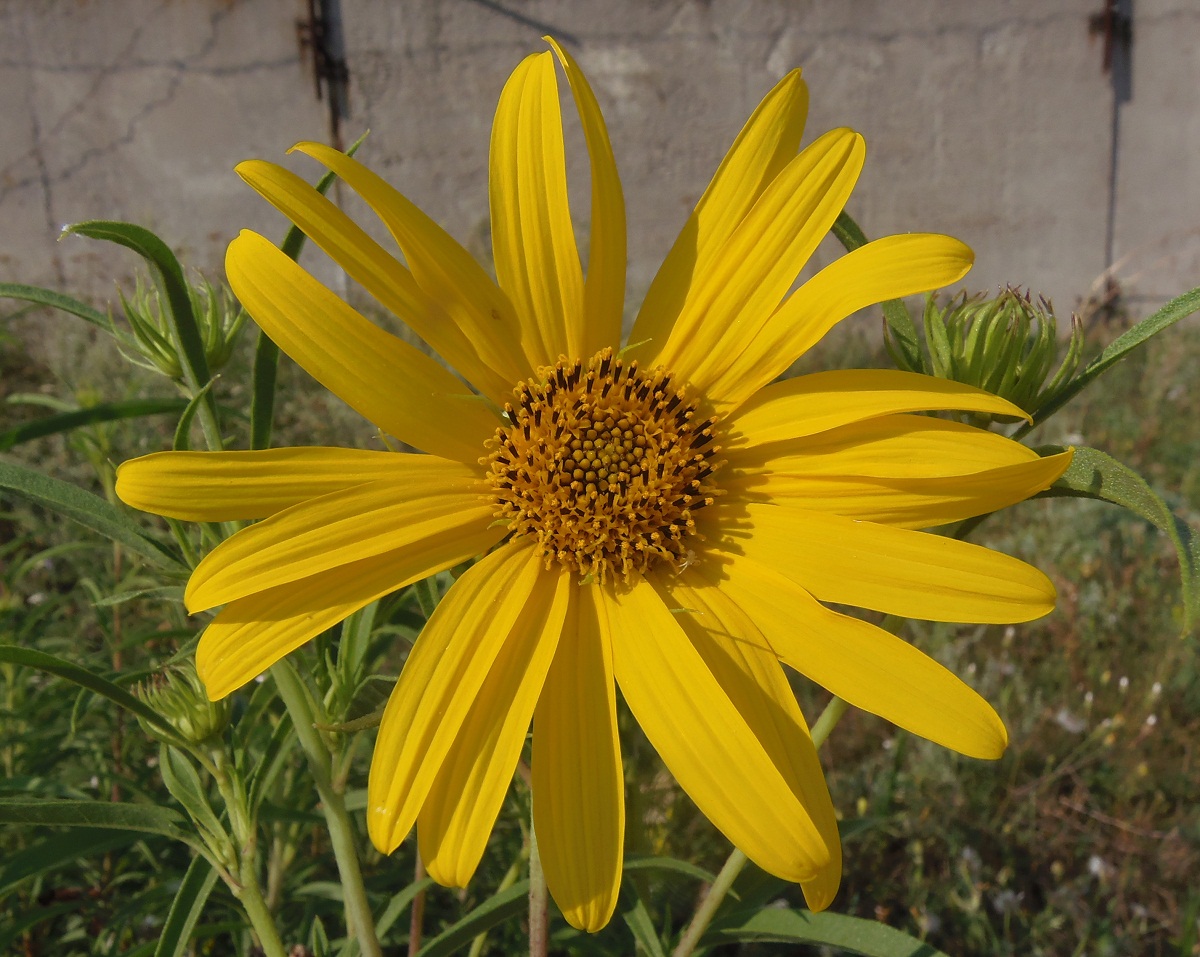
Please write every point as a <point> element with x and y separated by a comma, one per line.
<point>219,318</point>
<point>1007,345</point>
<point>179,696</point>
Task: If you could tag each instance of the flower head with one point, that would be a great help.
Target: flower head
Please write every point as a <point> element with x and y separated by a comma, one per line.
<point>664,518</point>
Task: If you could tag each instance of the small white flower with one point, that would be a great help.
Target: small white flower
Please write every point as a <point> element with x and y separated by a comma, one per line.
<point>1070,722</point>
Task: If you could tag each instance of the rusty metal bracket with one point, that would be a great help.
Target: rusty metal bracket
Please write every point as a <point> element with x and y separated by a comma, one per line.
<point>320,36</point>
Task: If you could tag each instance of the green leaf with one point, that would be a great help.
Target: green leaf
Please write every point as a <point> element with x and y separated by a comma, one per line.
<point>55,300</point>
<point>145,818</point>
<point>649,863</point>
<point>49,855</point>
<point>852,935</point>
<point>637,919</point>
<point>183,427</point>
<point>400,903</point>
<point>896,314</point>
<point>105,412</point>
<point>185,911</point>
<point>1095,475</point>
<point>168,275</point>
<point>495,910</point>
<point>180,777</point>
<point>273,759</point>
<point>1148,328</point>
<point>88,510</point>
<point>85,679</point>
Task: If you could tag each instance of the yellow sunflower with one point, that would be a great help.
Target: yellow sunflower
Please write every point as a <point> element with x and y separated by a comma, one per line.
<point>662,518</point>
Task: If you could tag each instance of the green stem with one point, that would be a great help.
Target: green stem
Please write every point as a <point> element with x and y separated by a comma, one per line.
<point>828,720</point>
<point>539,901</point>
<point>360,923</point>
<point>712,900</point>
<point>260,919</point>
<point>737,860</point>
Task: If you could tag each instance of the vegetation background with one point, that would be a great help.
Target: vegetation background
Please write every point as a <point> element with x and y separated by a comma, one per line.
<point>1084,839</point>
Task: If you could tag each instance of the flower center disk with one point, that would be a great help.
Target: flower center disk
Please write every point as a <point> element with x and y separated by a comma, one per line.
<point>604,465</point>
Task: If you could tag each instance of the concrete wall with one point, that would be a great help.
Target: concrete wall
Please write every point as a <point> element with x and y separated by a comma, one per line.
<point>991,121</point>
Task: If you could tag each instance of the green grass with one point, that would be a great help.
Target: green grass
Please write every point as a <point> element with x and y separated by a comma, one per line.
<point>1083,839</point>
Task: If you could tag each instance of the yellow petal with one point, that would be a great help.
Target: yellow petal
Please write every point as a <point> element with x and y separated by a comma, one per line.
<point>578,787</point>
<point>893,570</point>
<point>766,144</point>
<point>705,741</point>
<point>229,486</point>
<point>907,502</point>
<point>251,634</point>
<point>533,243</point>
<point>434,311</point>
<point>604,288</point>
<point>741,660</point>
<point>911,446</point>
<point>868,667</point>
<point>434,501</point>
<point>456,819</point>
<point>888,268</point>
<point>392,384</point>
<point>809,404</point>
<point>446,272</point>
<point>450,662</point>
<point>731,300</point>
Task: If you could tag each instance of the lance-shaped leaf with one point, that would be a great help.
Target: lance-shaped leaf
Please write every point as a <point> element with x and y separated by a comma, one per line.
<point>88,510</point>
<point>495,910</point>
<point>852,935</point>
<point>146,818</point>
<point>185,911</point>
<point>55,300</point>
<point>85,679</point>
<point>104,412</point>
<point>1148,328</point>
<point>1093,474</point>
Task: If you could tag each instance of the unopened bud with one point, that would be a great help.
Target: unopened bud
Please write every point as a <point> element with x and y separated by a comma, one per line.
<point>1006,345</point>
<point>179,696</point>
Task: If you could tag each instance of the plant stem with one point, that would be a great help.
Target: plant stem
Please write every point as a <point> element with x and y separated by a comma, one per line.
<point>416,921</point>
<point>712,900</point>
<point>737,860</point>
<point>359,922</point>
<point>828,720</point>
<point>539,902</point>
<point>260,919</point>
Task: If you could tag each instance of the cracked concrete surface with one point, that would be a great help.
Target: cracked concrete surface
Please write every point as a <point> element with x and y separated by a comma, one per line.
<point>988,121</point>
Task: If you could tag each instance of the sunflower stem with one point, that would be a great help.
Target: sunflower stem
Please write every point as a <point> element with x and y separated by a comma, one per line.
<point>737,860</point>
<point>828,720</point>
<point>539,901</point>
<point>359,922</point>
<point>712,900</point>
<point>251,899</point>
